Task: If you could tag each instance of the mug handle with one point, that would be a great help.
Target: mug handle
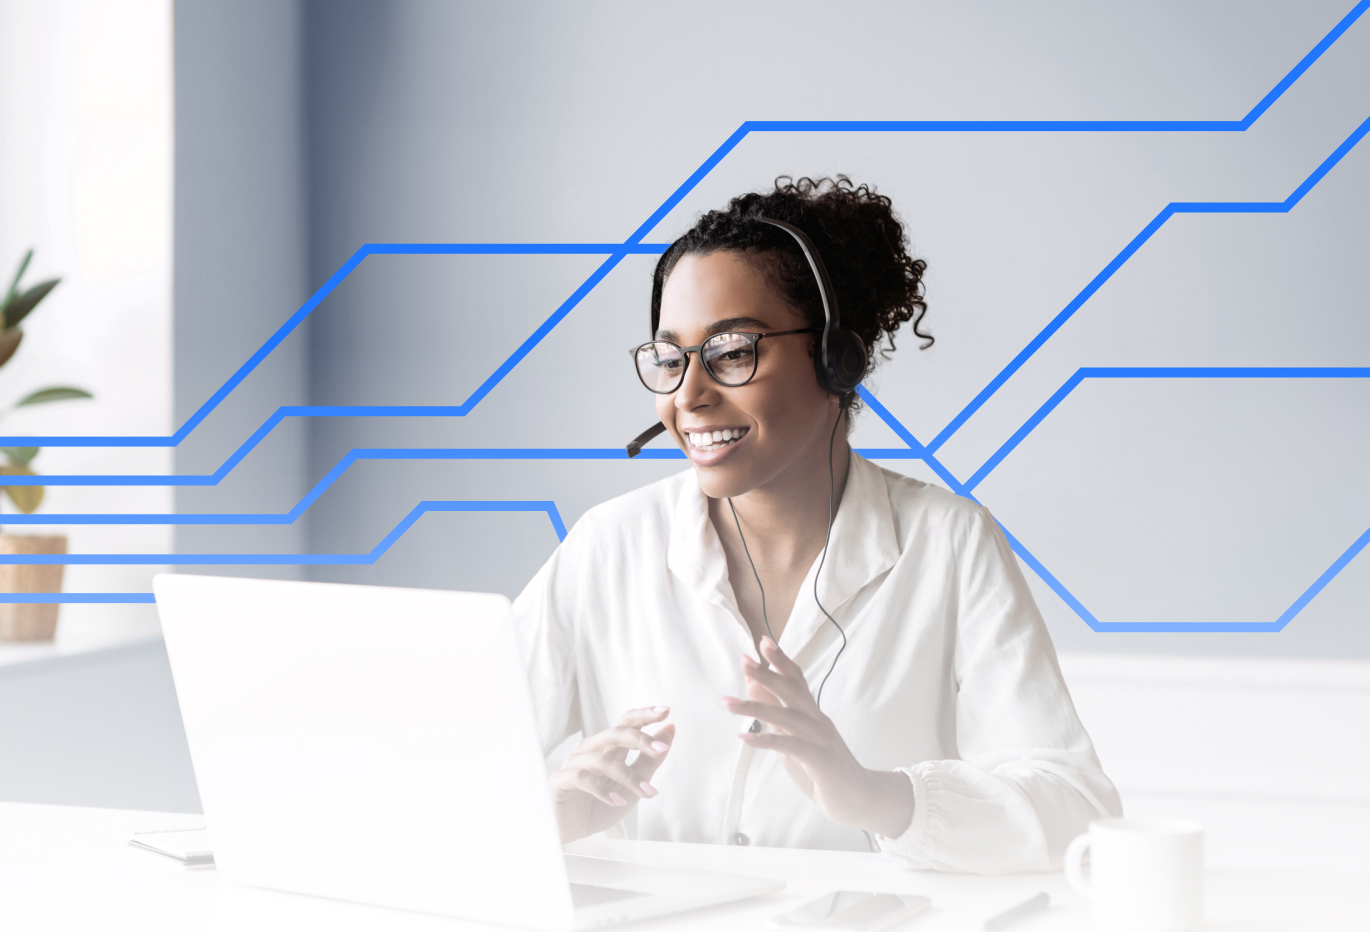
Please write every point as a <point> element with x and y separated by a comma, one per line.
<point>1075,875</point>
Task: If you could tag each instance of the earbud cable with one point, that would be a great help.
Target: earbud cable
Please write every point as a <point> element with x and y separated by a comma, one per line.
<point>832,440</point>
<point>831,482</point>
<point>755,574</point>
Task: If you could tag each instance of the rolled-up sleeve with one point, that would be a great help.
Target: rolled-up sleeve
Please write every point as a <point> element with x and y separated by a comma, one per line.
<point>1027,779</point>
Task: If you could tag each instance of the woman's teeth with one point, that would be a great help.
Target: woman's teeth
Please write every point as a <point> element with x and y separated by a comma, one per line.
<point>714,440</point>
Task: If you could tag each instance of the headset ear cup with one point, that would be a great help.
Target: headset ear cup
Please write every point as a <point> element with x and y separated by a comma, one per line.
<point>845,365</point>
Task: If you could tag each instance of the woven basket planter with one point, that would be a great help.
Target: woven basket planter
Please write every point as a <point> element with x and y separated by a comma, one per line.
<point>30,621</point>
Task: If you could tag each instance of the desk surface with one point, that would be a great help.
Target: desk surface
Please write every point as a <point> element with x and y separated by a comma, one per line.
<point>69,868</point>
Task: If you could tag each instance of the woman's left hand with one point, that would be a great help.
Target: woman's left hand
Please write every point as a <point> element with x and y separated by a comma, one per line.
<point>813,752</point>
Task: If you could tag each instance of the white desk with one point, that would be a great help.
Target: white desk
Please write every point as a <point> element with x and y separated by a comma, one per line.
<point>69,868</point>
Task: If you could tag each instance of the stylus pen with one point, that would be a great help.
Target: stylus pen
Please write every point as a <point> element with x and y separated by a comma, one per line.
<point>1021,911</point>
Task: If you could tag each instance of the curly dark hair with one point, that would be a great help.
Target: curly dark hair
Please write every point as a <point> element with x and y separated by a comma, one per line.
<point>878,285</point>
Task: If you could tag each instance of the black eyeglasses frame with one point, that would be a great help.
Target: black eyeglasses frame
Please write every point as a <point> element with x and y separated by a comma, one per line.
<point>685,351</point>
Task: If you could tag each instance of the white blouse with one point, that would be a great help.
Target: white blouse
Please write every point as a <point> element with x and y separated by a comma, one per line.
<point>949,675</point>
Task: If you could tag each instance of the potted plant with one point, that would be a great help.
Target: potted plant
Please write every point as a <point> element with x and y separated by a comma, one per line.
<point>21,621</point>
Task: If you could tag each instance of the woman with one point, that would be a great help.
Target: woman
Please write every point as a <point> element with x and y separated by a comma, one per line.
<point>785,644</point>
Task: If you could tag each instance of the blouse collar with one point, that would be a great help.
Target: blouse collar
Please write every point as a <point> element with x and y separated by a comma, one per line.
<point>864,545</point>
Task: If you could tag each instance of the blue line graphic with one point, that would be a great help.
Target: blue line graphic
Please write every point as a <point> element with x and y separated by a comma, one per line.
<point>391,453</point>
<point>273,559</point>
<point>76,598</point>
<point>461,410</point>
<point>1158,372</point>
<point>1178,207</point>
<point>615,253</point>
<point>916,450</point>
<point>1145,373</point>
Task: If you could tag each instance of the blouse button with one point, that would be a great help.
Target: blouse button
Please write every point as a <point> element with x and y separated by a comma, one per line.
<point>740,839</point>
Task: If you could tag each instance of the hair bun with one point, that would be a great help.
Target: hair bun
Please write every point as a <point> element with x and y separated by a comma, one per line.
<point>878,285</point>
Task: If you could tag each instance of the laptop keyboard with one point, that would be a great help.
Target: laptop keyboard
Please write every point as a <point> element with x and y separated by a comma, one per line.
<point>583,895</point>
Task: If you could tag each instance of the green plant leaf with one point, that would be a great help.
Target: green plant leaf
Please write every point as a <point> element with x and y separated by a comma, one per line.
<point>20,307</point>
<point>9,342</point>
<point>26,498</point>
<point>23,455</point>
<point>55,393</point>
<point>14,285</point>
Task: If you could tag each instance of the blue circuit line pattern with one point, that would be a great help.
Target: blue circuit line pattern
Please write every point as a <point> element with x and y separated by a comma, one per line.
<point>614,253</point>
<point>633,245</point>
<point>291,559</point>
<point>1158,372</point>
<point>461,410</point>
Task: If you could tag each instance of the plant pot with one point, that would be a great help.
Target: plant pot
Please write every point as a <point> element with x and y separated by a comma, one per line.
<point>30,621</point>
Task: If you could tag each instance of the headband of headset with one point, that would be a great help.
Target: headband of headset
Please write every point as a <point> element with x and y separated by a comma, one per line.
<point>841,361</point>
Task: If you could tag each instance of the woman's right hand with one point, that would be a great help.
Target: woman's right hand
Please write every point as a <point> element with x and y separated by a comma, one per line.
<point>596,786</point>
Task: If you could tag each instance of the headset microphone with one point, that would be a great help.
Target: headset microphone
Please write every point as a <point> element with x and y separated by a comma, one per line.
<point>635,445</point>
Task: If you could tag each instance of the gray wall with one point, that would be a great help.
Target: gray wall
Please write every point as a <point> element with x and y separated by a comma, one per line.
<point>239,267</point>
<point>416,121</point>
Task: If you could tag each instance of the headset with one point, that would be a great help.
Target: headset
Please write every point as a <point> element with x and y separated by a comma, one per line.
<point>841,361</point>
<point>840,364</point>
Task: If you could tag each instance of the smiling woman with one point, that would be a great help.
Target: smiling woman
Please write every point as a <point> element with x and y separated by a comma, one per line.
<point>946,734</point>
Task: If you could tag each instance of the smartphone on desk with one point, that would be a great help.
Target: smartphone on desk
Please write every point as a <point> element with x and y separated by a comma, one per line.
<point>850,911</point>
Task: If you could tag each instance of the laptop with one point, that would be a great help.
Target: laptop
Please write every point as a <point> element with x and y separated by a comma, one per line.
<point>378,745</point>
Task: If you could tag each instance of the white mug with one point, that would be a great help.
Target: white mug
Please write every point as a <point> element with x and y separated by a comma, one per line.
<point>1145,875</point>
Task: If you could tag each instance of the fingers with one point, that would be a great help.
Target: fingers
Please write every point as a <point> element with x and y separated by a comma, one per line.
<point>647,764</point>
<point>586,776</point>
<point>623,778</point>
<point>758,693</point>
<point>637,718</point>
<point>789,720</point>
<point>607,791</point>
<point>598,766</point>
<point>786,683</point>
<point>622,739</point>
<point>780,660</point>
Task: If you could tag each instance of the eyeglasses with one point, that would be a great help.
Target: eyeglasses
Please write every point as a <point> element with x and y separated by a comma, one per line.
<point>729,359</point>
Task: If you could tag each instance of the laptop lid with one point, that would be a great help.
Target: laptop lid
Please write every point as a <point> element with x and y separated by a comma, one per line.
<point>367,744</point>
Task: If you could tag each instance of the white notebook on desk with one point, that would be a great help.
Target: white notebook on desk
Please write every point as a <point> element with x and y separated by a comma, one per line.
<point>190,846</point>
